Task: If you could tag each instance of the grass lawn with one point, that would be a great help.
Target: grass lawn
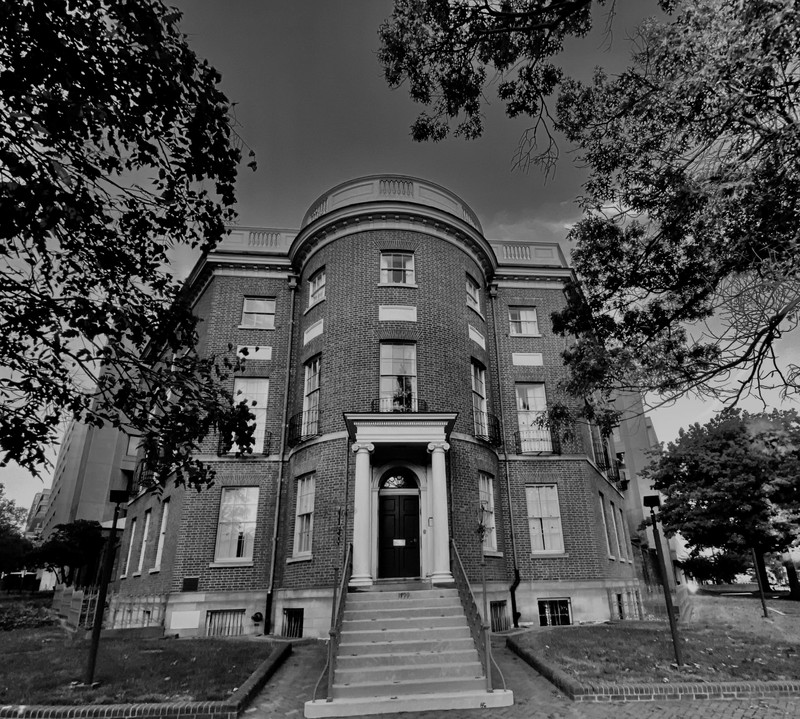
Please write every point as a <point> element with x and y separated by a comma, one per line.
<point>643,652</point>
<point>38,665</point>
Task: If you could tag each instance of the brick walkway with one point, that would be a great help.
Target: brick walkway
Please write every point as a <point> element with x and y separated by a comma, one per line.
<point>534,696</point>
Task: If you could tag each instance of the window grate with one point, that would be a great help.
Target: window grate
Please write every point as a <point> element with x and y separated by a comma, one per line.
<point>554,612</point>
<point>499,617</point>
<point>292,623</point>
<point>225,623</point>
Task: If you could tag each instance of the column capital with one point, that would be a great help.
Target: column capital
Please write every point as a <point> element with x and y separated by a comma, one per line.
<point>438,447</point>
<point>367,447</point>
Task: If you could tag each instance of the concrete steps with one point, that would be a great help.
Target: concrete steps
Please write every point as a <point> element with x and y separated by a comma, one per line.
<point>405,647</point>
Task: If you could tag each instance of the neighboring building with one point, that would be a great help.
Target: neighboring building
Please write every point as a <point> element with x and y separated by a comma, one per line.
<point>36,514</point>
<point>400,363</point>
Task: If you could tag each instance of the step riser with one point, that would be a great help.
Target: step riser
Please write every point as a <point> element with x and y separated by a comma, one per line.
<point>369,661</point>
<point>399,623</point>
<point>393,605</point>
<point>399,635</point>
<point>356,648</point>
<point>406,688</point>
<point>358,597</point>
<point>389,675</point>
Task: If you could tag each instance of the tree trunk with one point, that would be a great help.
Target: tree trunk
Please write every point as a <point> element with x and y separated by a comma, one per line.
<point>794,582</point>
<point>761,568</point>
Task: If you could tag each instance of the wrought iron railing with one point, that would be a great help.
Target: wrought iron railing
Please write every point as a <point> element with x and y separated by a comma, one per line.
<point>602,458</point>
<point>337,614</point>
<point>487,427</point>
<point>303,426</point>
<point>537,441</point>
<point>399,403</point>
<point>226,446</point>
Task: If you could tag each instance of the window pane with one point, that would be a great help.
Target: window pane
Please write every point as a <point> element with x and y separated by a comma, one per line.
<point>398,381</point>
<point>258,313</point>
<point>304,515</point>
<point>254,390</point>
<point>531,411</point>
<point>397,267</point>
<point>237,523</point>
<point>544,519</point>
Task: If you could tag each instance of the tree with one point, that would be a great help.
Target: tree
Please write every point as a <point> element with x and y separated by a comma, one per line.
<point>687,256</point>
<point>116,146</point>
<point>72,551</point>
<point>724,490</point>
<point>719,568</point>
<point>13,545</point>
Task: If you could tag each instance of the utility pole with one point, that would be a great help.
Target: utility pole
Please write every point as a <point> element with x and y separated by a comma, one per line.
<point>652,501</point>
<point>117,496</point>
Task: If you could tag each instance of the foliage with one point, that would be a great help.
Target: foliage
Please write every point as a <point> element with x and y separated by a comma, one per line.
<point>687,255</point>
<point>70,547</point>
<point>724,490</point>
<point>116,147</point>
<point>25,615</point>
<point>13,546</point>
<point>719,568</point>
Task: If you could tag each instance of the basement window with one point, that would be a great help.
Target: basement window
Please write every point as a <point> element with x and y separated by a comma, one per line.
<point>554,612</point>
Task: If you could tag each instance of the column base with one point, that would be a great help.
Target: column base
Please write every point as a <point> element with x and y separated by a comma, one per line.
<point>442,578</point>
<point>363,580</point>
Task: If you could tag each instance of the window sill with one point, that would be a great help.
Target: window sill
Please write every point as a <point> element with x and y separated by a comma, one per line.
<point>122,576</point>
<point>300,558</point>
<point>492,553</point>
<point>549,555</point>
<point>136,574</point>
<point>512,334</point>
<point>477,312</point>
<point>397,284</point>
<point>154,570</point>
<point>222,564</point>
<point>311,307</point>
<point>256,329</point>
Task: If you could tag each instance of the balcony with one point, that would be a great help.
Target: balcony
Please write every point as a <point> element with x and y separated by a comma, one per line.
<point>537,441</point>
<point>602,458</point>
<point>304,426</point>
<point>487,428</point>
<point>226,446</point>
<point>399,403</point>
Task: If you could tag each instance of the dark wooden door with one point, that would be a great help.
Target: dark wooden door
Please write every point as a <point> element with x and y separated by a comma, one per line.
<point>398,535</point>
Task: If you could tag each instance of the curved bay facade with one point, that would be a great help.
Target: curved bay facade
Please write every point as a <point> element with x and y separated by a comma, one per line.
<point>400,363</point>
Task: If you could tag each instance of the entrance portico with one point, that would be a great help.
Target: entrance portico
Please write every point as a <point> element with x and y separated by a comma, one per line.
<point>407,438</point>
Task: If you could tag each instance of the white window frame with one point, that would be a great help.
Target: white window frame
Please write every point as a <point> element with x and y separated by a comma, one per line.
<point>531,407</point>
<point>473,294</point>
<point>254,389</point>
<point>625,552</point>
<point>145,537</point>
<point>130,549</point>
<point>305,488</point>
<point>486,499</point>
<point>618,544</point>
<point>388,268</point>
<point>479,402</point>
<point>258,313</point>
<point>316,287</point>
<point>522,326</point>
<point>606,530</point>
<point>238,517</point>
<point>544,525</point>
<point>162,534</point>
<point>311,397</point>
<point>398,390</point>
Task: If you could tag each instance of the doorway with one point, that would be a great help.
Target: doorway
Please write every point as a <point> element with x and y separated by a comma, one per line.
<point>398,525</point>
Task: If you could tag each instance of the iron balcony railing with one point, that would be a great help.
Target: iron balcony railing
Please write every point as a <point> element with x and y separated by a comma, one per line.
<point>226,446</point>
<point>487,427</point>
<point>602,458</point>
<point>537,441</point>
<point>303,426</point>
<point>399,403</point>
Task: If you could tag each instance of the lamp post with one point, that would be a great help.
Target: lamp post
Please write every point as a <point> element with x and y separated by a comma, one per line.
<point>117,496</point>
<point>652,501</point>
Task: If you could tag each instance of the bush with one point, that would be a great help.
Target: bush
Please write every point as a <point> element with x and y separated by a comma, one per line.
<point>25,616</point>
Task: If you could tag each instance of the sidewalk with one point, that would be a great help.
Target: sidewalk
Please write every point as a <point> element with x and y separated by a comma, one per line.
<point>534,696</point>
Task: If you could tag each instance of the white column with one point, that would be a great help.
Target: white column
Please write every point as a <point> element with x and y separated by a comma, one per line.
<point>361,576</point>
<point>441,536</point>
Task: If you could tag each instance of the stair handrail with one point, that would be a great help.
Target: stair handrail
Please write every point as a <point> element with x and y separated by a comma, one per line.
<point>478,627</point>
<point>337,614</point>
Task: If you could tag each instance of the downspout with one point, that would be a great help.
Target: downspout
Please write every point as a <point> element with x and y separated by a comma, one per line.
<point>513,588</point>
<point>268,623</point>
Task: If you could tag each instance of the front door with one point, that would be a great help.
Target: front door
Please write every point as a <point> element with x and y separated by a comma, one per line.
<point>398,535</point>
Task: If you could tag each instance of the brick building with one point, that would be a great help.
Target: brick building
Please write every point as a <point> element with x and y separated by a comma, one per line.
<point>400,363</point>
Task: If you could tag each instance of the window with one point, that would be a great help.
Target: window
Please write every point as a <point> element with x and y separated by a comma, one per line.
<point>130,548</point>
<point>531,412</point>
<point>162,533</point>
<point>473,294</point>
<point>311,398</point>
<point>145,537</point>
<point>486,495</point>
<point>254,391</point>
<point>616,530</point>
<point>316,287</point>
<point>479,417</point>
<point>258,313</point>
<point>523,321</point>
<point>236,529</point>
<point>398,384</point>
<point>554,612</point>
<point>304,515</point>
<point>133,446</point>
<point>626,549</point>
<point>397,268</point>
<point>544,518</point>
<point>605,524</point>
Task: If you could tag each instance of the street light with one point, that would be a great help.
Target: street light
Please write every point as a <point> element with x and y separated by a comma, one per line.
<point>652,501</point>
